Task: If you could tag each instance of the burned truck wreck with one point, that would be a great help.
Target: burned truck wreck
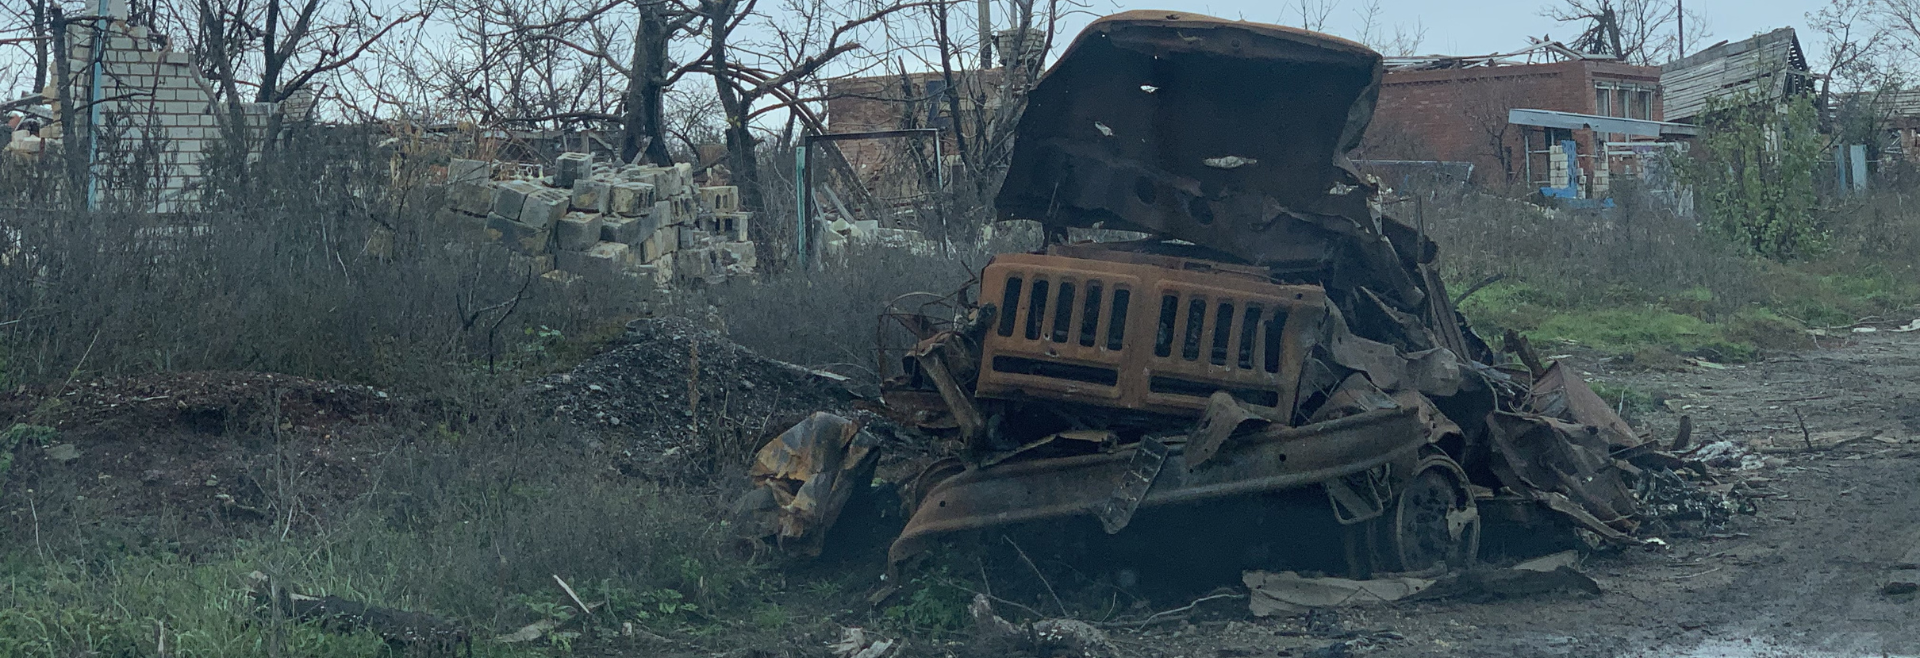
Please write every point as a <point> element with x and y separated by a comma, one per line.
<point>1277,331</point>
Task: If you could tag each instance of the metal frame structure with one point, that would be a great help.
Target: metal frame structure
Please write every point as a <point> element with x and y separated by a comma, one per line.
<point>803,178</point>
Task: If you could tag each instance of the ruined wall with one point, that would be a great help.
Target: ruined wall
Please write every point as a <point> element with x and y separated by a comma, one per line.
<point>1461,114</point>
<point>158,120</point>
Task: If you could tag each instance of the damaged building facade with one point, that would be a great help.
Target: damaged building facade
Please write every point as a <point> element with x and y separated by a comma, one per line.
<point>1548,117</point>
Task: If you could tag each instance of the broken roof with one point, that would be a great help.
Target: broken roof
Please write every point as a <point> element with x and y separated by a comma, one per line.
<point>1542,51</point>
<point>1771,65</point>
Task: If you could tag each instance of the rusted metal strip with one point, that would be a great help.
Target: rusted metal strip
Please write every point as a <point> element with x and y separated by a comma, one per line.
<point>1132,488</point>
<point>1274,459</point>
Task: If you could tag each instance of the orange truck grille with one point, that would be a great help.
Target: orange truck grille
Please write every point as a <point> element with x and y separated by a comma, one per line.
<point>1141,335</point>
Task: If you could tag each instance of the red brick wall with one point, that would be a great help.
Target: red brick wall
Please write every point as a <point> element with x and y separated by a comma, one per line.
<point>1460,114</point>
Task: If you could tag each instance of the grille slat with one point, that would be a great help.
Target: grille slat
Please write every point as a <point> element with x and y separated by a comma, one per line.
<point>1071,319</point>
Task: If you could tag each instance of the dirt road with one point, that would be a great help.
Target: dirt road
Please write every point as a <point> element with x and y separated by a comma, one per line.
<point>1802,577</point>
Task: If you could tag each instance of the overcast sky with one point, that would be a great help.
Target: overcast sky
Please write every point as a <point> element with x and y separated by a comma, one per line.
<point>1473,27</point>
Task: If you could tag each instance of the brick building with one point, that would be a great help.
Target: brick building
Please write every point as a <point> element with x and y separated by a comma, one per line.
<point>1458,110</point>
<point>927,99</point>
<point>910,101</point>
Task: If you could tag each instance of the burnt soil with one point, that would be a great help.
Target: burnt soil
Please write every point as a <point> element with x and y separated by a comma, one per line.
<point>639,400</point>
<point>1801,578</point>
<point>190,446</point>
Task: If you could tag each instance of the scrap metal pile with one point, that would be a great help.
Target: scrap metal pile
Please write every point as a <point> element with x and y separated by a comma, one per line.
<point>1278,331</point>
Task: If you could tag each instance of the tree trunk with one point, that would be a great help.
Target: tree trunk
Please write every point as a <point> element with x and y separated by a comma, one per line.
<point>39,31</point>
<point>76,163</point>
<point>643,120</point>
<point>740,142</point>
<point>271,61</point>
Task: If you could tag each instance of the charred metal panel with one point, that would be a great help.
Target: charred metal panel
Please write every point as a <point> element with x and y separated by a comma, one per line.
<point>1275,459</point>
<point>1227,134</point>
<point>1142,336</point>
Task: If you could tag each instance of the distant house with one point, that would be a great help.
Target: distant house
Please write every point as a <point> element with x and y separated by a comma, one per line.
<point>1549,117</point>
<point>922,100</point>
<point>1770,67</point>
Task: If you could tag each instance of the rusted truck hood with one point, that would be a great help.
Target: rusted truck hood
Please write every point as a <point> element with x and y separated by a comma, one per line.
<point>1213,131</point>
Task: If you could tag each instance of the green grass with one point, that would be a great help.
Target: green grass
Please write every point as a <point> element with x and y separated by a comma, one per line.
<point>1698,321</point>
<point>123,607</point>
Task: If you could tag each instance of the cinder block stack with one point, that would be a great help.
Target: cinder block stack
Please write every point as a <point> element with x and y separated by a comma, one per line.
<point>599,222</point>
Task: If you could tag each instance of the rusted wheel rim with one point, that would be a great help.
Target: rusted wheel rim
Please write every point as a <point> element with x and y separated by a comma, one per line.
<point>1434,519</point>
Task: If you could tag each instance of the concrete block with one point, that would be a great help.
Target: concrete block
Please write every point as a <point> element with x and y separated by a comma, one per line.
<point>738,257</point>
<point>577,231</point>
<point>724,198</point>
<point>521,238</point>
<point>470,198</point>
<point>630,199</point>
<point>663,213</point>
<point>571,261</point>
<point>469,171</point>
<point>661,244</point>
<point>699,263</point>
<point>685,209</point>
<point>640,174</point>
<point>591,195</point>
<point>609,259</point>
<point>666,180</point>
<point>544,207</point>
<point>683,171</point>
<point>509,197</point>
<point>625,230</point>
<point>570,167</point>
<point>732,226</point>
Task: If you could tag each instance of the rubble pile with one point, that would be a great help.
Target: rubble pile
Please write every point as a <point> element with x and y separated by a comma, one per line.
<point>600,221</point>
<point>642,395</point>
<point>837,234</point>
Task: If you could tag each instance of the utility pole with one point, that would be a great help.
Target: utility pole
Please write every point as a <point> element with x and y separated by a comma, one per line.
<point>986,36</point>
<point>1680,29</point>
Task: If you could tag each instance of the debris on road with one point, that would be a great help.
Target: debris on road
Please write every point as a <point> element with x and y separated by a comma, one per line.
<point>1045,637</point>
<point>1287,592</point>
<point>855,642</point>
<point>399,628</point>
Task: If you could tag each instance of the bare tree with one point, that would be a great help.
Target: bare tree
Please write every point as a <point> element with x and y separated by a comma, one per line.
<point>1399,40</point>
<point>740,86</point>
<point>26,29</point>
<point>1642,32</point>
<point>266,51</point>
<point>1858,40</point>
<point>1313,13</point>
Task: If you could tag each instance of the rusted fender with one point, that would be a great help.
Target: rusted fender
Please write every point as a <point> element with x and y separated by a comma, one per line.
<point>1274,459</point>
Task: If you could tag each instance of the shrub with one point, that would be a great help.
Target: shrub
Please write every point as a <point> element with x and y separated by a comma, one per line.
<point>1752,171</point>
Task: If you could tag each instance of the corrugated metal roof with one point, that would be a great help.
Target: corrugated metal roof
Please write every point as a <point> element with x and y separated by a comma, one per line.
<point>1770,64</point>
